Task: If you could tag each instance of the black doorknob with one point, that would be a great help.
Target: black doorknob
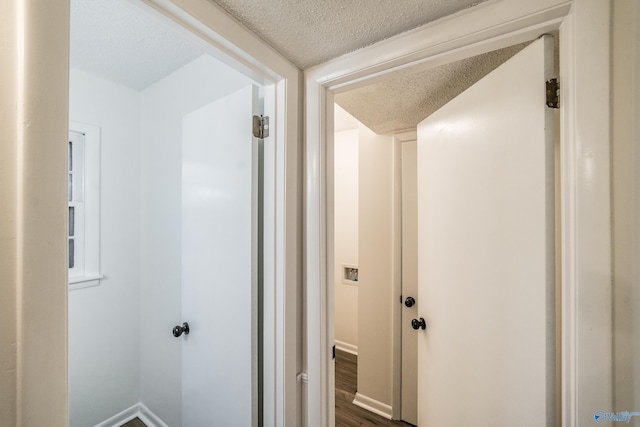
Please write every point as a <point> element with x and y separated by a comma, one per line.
<point>409,302</point>
<point>179,330</point>
<point>418,324</point>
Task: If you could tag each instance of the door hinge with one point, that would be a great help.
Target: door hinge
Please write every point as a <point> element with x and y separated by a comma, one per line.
<point>552,93</point>
<point>333,352</point>
<point>261,126</point>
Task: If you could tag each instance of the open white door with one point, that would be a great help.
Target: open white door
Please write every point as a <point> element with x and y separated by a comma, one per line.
<point>219,263</point>
<point>486,252</point>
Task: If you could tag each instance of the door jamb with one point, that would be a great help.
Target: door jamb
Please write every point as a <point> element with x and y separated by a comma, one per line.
<point>584,36</point>
<point>397,291</point>
<point>240,49</point>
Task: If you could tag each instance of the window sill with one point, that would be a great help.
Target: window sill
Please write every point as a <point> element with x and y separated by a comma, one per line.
<point>81,282</point>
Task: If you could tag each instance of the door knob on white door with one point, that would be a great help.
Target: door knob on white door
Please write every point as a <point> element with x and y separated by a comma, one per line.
<point>409,302</point>
<point>179,330</point>
<point>418,324</point>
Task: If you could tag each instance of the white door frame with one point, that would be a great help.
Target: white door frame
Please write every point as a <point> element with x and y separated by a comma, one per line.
<point>41,363</point>
<point>398,290</point>
<point>242,50</point>
<point>584,28</point>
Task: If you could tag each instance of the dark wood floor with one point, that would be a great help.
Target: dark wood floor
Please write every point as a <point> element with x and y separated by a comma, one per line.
<point>134,423</point>
<point>348,414</point>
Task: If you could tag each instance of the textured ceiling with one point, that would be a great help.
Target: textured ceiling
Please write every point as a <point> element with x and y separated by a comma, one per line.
<point>407,97</point>
<point>119,42</point>
<point>311,32</point>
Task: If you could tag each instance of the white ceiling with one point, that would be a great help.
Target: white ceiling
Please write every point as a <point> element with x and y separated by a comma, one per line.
<point>407,97</point>
<point>312,32</point>
<point>115,40</point>
<point>119,41</point>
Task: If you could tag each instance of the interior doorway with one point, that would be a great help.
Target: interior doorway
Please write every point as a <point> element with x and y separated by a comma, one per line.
<point>178,224</point>
<point>357,297</point>
<point>400,316</point>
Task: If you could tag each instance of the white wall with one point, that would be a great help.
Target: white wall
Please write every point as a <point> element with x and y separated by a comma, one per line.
<point>375,291</point>
<point>626,203</point>
<point>104,320</point>
<point>345,237</point>
<point>121,350</point>
<point>164,104</point>
<point>363,236</point>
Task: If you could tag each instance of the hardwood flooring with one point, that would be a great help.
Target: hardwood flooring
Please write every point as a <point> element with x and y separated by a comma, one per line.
<point>134,423</point>
<point>348,414</point>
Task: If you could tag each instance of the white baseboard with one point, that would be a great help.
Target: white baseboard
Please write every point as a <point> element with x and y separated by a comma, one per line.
<point>121,418</point>
<point>373,405</point>
<point>138,410</point>
<point>149,418</point>
<point>346,347</point>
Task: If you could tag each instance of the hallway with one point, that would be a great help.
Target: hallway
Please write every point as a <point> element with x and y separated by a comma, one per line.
<point>348,414</point>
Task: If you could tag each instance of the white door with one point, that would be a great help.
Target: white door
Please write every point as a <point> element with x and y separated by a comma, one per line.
<point>409,396</point>
<point>486,252</point>
<point>219,263</point>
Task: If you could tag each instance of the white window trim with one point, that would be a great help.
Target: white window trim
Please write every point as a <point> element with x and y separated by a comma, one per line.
<point>91,275</point>
<point>76,139</point>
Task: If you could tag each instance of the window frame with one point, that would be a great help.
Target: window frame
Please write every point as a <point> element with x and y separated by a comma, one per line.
<point>76,202</point>
<point>86,203</point>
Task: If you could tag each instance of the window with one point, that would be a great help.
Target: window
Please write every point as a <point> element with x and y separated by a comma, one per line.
<point>84,206</point>
<point>76,204</point>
